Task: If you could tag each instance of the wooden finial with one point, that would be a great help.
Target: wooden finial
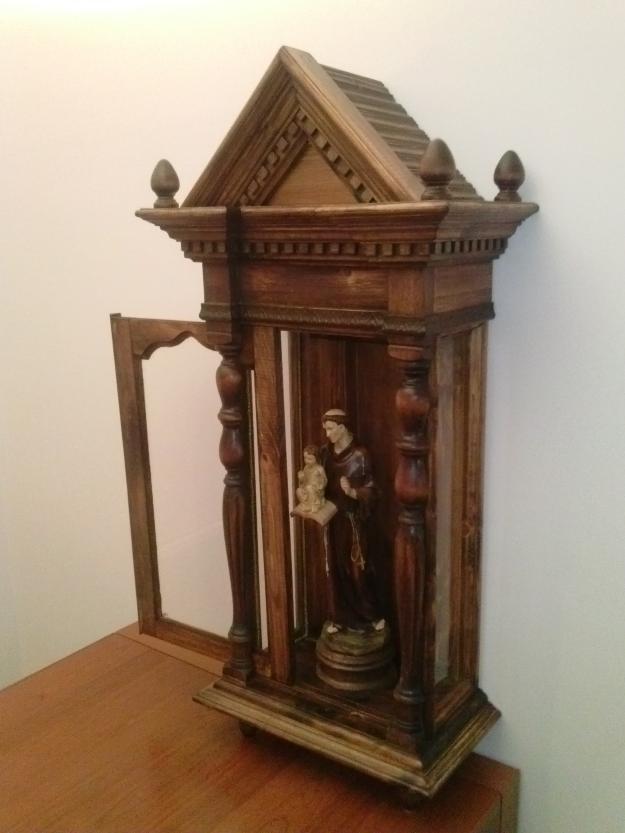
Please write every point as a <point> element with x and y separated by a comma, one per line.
<point>509,176</point>
<point>437,170</point>
<point>165,183</point>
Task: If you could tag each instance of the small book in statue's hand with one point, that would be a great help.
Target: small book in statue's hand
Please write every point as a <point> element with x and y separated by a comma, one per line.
<point>321,516</point>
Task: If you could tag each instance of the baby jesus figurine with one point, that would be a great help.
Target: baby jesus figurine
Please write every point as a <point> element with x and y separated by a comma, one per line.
<point>312,482</point>
<point>310,491</point>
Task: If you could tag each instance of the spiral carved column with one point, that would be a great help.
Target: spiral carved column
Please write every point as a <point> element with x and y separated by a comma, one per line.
<point>412,403</point>
<point>236,512</point>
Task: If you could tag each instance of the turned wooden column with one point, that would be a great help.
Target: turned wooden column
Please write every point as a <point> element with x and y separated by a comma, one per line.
<point>236,513</point>
<point>412,403</point>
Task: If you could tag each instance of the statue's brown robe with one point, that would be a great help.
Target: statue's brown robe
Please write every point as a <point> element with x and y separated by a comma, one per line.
<point>351,597</point>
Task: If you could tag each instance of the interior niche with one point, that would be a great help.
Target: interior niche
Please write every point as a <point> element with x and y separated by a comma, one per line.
<point>330,372</point>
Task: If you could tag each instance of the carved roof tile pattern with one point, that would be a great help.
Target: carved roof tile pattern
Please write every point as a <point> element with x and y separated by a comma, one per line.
<point>389,119</point>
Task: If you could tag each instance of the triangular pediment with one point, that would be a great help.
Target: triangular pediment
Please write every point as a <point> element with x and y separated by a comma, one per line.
<point>331,135</point>
<point>311,180</point>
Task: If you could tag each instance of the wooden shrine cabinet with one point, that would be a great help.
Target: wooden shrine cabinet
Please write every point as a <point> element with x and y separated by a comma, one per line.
<point>328,215</point>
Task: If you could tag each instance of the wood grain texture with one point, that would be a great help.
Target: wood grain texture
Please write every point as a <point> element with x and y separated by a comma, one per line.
<point>279,285</point>
<point>438,617</point>
<point>412,403</point>
<point>185,654</point>
<point>472,524</point>
<point>148,334</point>
<point>138,477</point>
<point>385,760</point>
<point>454,288</point>
<point>459,445</point>
<point>310,181</point>
<point>234,456</point>
<point>114,766</point>
<point>274,500</point>
<point>504,779</point>
<point>192,638</point>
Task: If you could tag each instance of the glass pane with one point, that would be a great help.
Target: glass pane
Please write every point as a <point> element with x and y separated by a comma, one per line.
<point>291,467</point>
<point>444,485</point>
<point>262,597</point>
<point>182,403</point>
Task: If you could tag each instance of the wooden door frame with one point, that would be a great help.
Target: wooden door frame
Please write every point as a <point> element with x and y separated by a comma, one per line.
<point>134,341</point>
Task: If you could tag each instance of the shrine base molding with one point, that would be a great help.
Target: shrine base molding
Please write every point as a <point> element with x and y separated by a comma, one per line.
<point>373,756</point>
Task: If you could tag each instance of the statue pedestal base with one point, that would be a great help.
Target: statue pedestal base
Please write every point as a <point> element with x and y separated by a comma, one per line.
<point>356,660</point>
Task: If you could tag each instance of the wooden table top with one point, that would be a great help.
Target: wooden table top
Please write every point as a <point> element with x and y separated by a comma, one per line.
<point>109,740</point>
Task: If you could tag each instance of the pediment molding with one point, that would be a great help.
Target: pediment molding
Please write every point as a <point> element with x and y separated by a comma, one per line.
<point>278,160</point>
<point>300,131</point>
<point>297,101</point>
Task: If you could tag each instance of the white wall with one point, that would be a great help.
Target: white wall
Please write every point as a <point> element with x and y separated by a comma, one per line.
<point>92,99</point>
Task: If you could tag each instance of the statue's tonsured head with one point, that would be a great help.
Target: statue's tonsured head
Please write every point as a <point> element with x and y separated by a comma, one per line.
<point>334,424</point>
<point>336,415</point>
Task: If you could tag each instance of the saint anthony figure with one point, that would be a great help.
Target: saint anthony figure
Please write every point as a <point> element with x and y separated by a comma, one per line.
<point>352,600</point>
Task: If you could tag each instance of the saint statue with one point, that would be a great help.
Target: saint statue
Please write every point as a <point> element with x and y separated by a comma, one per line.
<point>351,596</point>
<point>336,490</point>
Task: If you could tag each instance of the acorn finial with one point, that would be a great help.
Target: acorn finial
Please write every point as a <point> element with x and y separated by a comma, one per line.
<point>509,176</point>
<point>164,183</point>
<point>437,170</point>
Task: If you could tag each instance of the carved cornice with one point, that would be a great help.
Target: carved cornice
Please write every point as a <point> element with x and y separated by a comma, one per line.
<point>198,230</point>
<point>402,233</point>
<point>371,250</point>
<point>200,250</point>
<point>347,251</point>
